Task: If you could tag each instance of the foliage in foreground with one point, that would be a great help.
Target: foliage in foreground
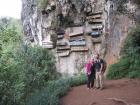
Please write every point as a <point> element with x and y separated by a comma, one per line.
<point>23,69</point>
<point>129,64</point>
<point>55,90</point>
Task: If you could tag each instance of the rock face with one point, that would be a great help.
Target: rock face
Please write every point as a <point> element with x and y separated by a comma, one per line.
<point>75,30</point>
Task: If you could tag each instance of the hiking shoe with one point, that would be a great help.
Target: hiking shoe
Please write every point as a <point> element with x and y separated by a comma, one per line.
<point>97,87</point>
<point>88,88</point>
<point>101,88</point>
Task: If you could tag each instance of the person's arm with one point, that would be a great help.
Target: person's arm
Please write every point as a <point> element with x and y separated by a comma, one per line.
<point>101,66</point>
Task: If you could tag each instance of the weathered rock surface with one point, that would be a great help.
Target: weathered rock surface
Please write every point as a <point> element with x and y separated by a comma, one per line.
<point>81,27</point>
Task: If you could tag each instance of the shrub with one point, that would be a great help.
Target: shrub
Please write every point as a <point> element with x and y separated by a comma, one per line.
<point>23,69</point>
<point>55,90</point>
<point>129,64</point>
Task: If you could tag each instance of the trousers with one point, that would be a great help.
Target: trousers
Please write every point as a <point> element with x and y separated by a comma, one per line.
<point>90,81</point>
<point>99,80</point>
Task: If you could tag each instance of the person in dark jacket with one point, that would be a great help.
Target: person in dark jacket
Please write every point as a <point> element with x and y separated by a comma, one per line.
<point>99,72</point>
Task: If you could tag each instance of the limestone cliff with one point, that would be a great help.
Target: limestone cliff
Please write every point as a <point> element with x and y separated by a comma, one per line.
<point>75,30</point>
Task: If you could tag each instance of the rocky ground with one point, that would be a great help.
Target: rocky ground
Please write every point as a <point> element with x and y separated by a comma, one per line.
<point>116,92</point>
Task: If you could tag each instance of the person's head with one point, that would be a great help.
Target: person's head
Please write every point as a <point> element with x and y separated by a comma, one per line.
<point>90,60</point>
<point>97,56</point>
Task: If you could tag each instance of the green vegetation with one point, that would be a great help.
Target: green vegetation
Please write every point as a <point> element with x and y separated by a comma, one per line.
<point>55,90</point>
<point>28,74</point>
<point>23,69</point>
<point>129,64</point>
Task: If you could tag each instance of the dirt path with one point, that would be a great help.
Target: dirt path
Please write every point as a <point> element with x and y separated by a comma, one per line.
<point>116,92</point>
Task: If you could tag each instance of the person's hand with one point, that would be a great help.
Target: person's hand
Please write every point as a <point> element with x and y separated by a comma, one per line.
<point>88,73</point>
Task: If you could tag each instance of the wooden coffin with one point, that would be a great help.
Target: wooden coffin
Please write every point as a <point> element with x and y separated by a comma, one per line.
<point>76,25</point>
<point>61,32</point>
<point>98,26</point>
<point>76,34</point>
<point>95,21</point>
<point>95,33</point>
<point>76,38</point>
<point>63,54</point>
<point>47,45</point>
<point>96,40</point>
<point>79,49</point>
<point>77,43</point>
<point>94,16</point>
<point>60,36</point>
<point>76,31</point>
<point>61,43</point>
<point>95,13</point>
<point>63,48</point>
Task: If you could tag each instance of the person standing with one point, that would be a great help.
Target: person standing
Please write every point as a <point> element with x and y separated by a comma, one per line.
<point>99,72</point>
<point>90,72</point>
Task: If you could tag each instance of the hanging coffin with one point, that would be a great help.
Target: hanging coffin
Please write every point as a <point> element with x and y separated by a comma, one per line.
<point>95,34</point>
<point>94,17</point>
<point>60,36</point>
<point>97,27</point>
<point>77,43</point>
<point>75,34</point>
<point>95,21</point>
<point>60,32</point>
<point>95,13</point>
<point>76,31</point>
<point>77,39</point>
<point>63,48</point>
<point>79,49</point>
<point>61,44</point>
<point>64,54</point>
<point>47,45</point>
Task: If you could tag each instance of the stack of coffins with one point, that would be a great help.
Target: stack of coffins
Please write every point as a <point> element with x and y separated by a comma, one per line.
<point>95,20</point>
<point>48,44</point>
<point>60,34</point>
<point>63,49</point>
<point>77,40</point>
